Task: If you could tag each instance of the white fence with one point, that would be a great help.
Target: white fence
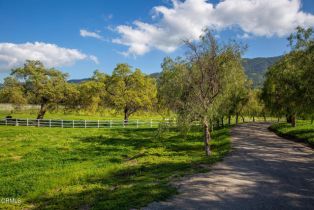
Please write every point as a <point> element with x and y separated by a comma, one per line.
<point>80,123</point>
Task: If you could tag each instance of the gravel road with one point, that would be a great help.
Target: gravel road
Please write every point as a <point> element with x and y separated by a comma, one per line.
<point>263,171</point>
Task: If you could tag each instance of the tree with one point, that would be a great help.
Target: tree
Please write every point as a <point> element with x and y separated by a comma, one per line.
<point>12,92</point>
<point>282,90</point>
<point>72,94</point>
<point>42,86</point>
<point>91,95</point>
<point>130,91</point>
<point>202,80</point>
<point>254,106</point>
<point>289,84</point>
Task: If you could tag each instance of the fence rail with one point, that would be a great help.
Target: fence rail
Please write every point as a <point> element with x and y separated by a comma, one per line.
<point>80,123</point>
<point>53,123</point>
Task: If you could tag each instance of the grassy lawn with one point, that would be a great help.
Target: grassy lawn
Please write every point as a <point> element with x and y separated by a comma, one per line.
<point>72,115</point>
<point>55,168</point>
<point>303,132</point>
<point>104,114</point>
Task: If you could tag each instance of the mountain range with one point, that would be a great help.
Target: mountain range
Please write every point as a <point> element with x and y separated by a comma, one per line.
<point>255,69</point>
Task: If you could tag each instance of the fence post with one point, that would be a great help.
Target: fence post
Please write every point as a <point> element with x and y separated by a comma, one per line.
<point>38,122</point>
<point>27,122</point>
<point>123,123</point>
<point>85,123</point>
<point>73,124</point>
<point>16,122</point>
<point>6,121</point>
<point>136,123</point>
<point>98,124</point>
<point>61,123</point>
<point>151,123</point>
<point>50,123</point>
<point>110,123</point>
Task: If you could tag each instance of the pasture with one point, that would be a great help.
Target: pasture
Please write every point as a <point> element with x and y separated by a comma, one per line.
<point>55,168</point>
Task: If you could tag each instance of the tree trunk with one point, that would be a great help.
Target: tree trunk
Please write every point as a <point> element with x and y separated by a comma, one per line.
<point>265,118</point>
<point>312,119</point>
<point>206,137</point>
<point>237,118</point>
<point>229,120</point>
<point>126,116</point>
<point>278,119</point>
<point>289,118</point>
<point>42,111</point>
<point>222,122</point>
<point>293,120</point>
<point>218,123</point>
<point>243,120</point>
<point>253,119</point>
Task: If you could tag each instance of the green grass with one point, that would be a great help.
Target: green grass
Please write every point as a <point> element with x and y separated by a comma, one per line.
<point>303,132</point>
<point>73,115</point>
<point>55,168</point>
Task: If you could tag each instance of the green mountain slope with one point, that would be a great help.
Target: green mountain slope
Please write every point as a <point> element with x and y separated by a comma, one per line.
<point>255,68</point>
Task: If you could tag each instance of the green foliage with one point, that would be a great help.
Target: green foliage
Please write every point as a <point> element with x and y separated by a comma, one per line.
<point>54,168</point>
<point>130,91</point>
<point>254,106</point>
<point>12,92</point>
<point>195,88</point>
<point>254,68</point>
<point>288,89</point>
<point>40,85</point>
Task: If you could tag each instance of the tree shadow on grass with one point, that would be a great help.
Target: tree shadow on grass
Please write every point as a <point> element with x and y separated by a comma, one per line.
<point>135,185</point>
<point>127,188</point>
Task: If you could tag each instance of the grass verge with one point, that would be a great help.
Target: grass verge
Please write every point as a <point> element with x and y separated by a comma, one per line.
<point>303,132</point>
<point>55,168</point>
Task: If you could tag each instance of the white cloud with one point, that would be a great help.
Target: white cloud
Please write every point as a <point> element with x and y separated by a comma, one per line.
<point>187,20</point>
<point>243,36</point>
<point>14,55</point>
<point>85,33</point>
<point>94,59</point>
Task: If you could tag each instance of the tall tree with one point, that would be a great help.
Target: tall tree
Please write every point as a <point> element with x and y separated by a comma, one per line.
<point>43,86</point>
<point>289,84</point>
<point>130,91</point>
<point>202,76</point>
<point>254,106</point>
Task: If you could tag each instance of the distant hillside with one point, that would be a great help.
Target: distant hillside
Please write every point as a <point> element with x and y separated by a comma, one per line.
<point>78,80</point>
<point>155,75</point>
<point>255,68</point>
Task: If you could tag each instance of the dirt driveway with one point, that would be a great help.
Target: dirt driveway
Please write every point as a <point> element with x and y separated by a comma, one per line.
<point>263,171</point>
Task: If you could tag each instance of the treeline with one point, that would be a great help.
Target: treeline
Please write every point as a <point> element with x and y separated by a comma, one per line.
<point>289,86</point>
<point>125,90</point>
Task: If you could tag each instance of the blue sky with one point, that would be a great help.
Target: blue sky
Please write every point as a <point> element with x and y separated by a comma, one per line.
<point>118,39</point>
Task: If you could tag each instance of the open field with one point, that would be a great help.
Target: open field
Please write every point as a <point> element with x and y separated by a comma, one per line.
<point>303,132</point>
<point>98,168</point>
<point>108,114</point>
